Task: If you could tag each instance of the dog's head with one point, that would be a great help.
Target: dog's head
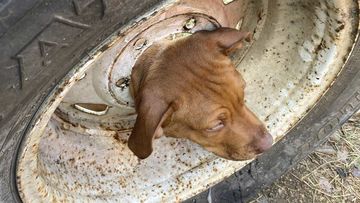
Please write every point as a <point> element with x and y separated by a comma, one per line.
<point>191,89</point>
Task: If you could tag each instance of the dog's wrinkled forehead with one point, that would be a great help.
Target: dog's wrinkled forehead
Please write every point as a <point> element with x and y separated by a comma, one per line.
<point>210,100</point>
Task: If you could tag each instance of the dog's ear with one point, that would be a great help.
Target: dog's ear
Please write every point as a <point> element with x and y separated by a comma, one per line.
<point>229,39</point>
<point>152,112</point>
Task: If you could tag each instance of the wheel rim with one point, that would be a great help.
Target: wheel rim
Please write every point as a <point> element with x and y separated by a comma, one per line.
<point>75,153</point>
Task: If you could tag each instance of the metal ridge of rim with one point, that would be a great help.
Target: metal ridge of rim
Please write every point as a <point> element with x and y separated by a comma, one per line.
<point>76,153</point>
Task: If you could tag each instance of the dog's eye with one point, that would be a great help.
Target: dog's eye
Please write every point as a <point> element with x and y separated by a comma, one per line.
<point>219,124</point>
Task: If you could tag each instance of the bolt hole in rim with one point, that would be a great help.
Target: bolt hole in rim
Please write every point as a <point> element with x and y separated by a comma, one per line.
<point>79,153</point>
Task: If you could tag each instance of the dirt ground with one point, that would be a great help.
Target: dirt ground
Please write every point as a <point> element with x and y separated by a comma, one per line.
<point>330,174</point>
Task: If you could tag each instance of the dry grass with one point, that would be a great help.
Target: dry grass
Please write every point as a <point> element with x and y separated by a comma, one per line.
<point>330,174</point>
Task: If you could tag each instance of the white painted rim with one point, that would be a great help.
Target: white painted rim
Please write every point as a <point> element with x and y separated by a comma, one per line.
<point>299,50</point>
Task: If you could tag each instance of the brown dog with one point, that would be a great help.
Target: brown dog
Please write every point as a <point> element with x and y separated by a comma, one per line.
<point>190,89</point>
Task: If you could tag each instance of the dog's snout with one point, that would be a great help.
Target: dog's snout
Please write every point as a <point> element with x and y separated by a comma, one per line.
<point>264,143</point>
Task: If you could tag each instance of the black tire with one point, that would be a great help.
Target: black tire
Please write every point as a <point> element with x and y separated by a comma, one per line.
<point>40,41</point>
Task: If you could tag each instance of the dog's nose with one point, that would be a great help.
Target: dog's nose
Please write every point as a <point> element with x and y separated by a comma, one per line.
<point>264,143</point>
